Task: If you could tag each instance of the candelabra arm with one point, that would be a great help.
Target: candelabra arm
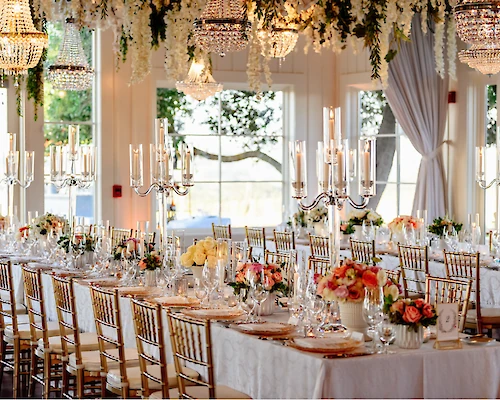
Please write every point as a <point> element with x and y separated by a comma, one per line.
<point>359,206</point>
<point>482,183</point>
<point>316,201</point>
<point>179,191</point>
<point>25,185</point>
<point>150,189</point>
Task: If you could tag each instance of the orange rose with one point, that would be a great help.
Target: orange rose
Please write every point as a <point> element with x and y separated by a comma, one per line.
<point>398,306</point>
<point>428,311</point>
<point>142,265</point>
<point>369,279</point>
<point>355,293</point>
<point>412,315</point>
<point>277,277</point>
<point>419,303</point>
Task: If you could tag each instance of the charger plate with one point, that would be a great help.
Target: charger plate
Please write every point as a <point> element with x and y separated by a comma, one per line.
<point>214,313</point>
<point>264,328</point>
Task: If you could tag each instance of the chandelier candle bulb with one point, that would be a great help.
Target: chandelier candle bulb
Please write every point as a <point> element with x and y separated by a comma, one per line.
<point>29,165</point>
<point>12,142</point>
<point>480,164</point>
<point>340,170</point>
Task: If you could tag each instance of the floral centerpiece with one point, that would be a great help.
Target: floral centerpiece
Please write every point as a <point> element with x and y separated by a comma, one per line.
<point>440,224</point>
<point>149,264</point>
<point>198,253</point>
<point>357,217</point>
<point>22,233</point>
<point>406,221</point>
<point>82,242</point>
<point>410,316</point>
<point>47,223</point>
<point>255,271</point>
<point>346,228</point>
<point>128,248</point>
<point>299,219</point>
<point>318,214</point>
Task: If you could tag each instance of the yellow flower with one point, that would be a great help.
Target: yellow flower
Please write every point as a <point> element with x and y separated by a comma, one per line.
<point>186,260</point>
<point>199,258</point>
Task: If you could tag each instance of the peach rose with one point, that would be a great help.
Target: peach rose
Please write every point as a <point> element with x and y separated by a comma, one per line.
<point>428,311</point>
<point>142,265</point>
<point>412,315</point>
<point>355,293</point>
<point>277,277</point>
<point>398,306</point>
<point>240,278</point>
<point>419,303</point>
<point>369,279</point>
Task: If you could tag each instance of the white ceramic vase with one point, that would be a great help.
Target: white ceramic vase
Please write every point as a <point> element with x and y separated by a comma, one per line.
<point>267,306</point>
<point>150,278</point>
<point>351,315</point>
<point>408,338</point>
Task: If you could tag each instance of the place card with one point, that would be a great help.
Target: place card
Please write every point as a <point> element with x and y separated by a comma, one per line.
<point>447,327</point>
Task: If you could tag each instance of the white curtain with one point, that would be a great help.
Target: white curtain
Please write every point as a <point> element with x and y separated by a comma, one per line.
<point>418,97</point>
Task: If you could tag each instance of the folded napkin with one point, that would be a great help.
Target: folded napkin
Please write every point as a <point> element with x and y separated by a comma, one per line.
<point>215,312</point>
<point>329,342</point>
<point>176,300</point>
<point>266,327</point>
<point>132,289</point>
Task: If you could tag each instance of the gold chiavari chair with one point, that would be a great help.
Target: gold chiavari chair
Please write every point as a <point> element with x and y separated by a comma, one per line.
<point>45,366</point>
<point>221,231</point>
<point>154,375</point>
<point>462,266</point>
<point>414,263</point>
<point>394,275</point>
<point>320,246</point>
<point>114,357</point>
<point>284,241</point>
<point>14,351</point>
<point>442,290</point>
<point>256,239</point>
<point>192,343</point>
<point>363,252</point>
<point>119,235</point>
<point>319,266</point>
<point>284,261</point>
<point>73,344</point>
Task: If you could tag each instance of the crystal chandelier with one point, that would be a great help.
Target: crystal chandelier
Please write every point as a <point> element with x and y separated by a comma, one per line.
<point>223,27</point>
<point>199,83</point>
<point>486,59</point>
<point>281,41</point>
<point>21,45</point>
<point>71,70</point>
<point>478,21</point>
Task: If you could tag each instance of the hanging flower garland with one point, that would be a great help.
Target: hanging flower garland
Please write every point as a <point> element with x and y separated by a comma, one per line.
<point>139,27</point>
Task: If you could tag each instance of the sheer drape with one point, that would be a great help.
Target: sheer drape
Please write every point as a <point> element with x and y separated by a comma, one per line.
<point>418,97</point>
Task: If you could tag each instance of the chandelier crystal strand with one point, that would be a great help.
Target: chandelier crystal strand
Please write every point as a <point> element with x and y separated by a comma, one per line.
<point>485,59</point>
<point>478,21</point>
<point>199,83</point>
<point>21,45</point>
<point>71,70</point>
<point>223,27</point>
<point>281,41</point>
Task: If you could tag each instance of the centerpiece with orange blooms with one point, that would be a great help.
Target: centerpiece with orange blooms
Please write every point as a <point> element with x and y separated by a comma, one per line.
<point>270,275</point>
<point>149,264</point>
<point>403,222</point>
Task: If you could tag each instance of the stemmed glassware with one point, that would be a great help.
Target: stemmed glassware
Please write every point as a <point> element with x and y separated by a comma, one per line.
<point>451,238</point>
<point>259,293</point>
<point>373,314</point>
<point>200,291</point>
<point>314,309</point>
<point>386,333</point>
<point>211,280</point>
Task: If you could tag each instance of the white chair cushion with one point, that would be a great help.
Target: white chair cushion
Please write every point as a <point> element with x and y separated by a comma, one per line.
<point>88,342</point>
<point>91,360</point>
<point>221,392</point>
<point>22,319</point>
<point>24,331</point>
<point>134,377</point>
<point>489,314</point>
<point>172,393</point>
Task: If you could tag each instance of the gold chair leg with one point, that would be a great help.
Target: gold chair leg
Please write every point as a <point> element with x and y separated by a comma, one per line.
<point>46,375</point>
<point>16,378</point>
<point>32,373</point>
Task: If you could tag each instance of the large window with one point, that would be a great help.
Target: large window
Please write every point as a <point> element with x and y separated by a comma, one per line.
<point>238,147</point>
<point>397,159</point>
<point>490,196</point>
<point>61,109</point>
<point>4,146</point>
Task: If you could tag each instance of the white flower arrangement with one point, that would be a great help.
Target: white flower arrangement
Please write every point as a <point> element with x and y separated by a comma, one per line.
<point>47,223</point>
<point>357,217</point>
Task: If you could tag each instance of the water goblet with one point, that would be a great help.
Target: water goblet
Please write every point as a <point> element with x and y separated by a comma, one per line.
<point>200,291</point>
<point>386,334</point>
<point>211,280</point>
<point>260,294</point>
<point>373,311</point>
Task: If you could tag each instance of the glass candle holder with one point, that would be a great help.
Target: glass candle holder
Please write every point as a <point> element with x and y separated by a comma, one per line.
<point>322,169</point>
<point>341,169</point>
<point>12,164</point>
<point>480,163</point>
<point>187,166</point>
<point>367,168</point>
<point>298,168</point>
<point>161,131</point>
<point>29,166</point>
<point>136,166</point>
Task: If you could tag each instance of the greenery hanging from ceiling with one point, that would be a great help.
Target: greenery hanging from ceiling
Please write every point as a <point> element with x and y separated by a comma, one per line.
<point>140,27</point>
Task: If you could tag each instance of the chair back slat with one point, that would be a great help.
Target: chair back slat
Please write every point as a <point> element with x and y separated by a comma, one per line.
<point>192,343</point>
<point>320,246</point>
<point>256,239</point>
<point>119,235</point>
<point>442,290</point>
<point>284,261</point>
<point>148,326</point>
<point>284,241</point>
<point>64,295</point>
<point>319,266</point>
<point>33,290</point>
<point>414,263</point>
<point>221,231</point>
<point>7,298</point>
<point>106,306</point>
<point>462,266</point>
<point>394,275</point>
<point>363,252</point>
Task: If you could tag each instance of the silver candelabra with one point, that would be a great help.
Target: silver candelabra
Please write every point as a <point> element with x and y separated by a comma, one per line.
<point>11,177</point>
<point>336,165</point>
<point>162,168</point>
<point>72,166</point>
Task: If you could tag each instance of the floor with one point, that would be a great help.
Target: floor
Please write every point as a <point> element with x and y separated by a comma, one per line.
<point>6,387</point>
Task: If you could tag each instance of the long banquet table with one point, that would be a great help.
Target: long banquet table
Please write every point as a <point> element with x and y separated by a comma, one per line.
<point>268,369</point>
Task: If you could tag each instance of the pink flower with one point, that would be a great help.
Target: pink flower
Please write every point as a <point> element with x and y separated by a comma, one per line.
<point>428,311</point>
<point>277,277</point>
<point>256,267</point>
<point>369,279</point>
<point>412,315</point>
<point>341,292</point>
<point>419,303</point>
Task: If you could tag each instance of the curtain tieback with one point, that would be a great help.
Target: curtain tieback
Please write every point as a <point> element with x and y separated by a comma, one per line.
<point>433,154</point>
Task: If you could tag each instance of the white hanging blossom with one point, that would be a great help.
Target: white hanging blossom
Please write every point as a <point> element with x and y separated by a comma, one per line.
<point>439,42</point>
<point>451,48</point>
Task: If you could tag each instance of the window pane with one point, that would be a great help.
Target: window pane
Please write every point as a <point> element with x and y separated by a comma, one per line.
<point>4,140</point>
<point>407,194</point>
<point>388,204</point>
<point>250,203</point>
<point>199,208</point>
<point>265,167</point>
<point>410,161</point>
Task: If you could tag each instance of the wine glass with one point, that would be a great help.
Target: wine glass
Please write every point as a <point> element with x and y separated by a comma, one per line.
<point>260,292</point>
<point>314,309</point>
<point>200,291</point>
<point>373,311</point>
<point>211,280</point>
<point>386,334</point>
